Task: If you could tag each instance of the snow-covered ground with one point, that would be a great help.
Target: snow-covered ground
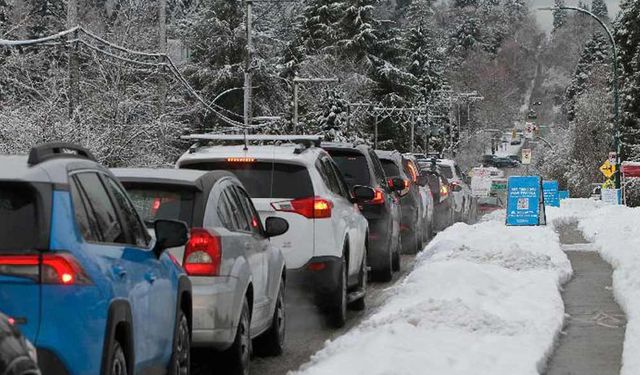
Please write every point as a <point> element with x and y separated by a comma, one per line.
<point>615,232</point>
<point>482,299</point>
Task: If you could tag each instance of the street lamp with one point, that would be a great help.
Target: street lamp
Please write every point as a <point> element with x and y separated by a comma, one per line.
<point>616,98</point>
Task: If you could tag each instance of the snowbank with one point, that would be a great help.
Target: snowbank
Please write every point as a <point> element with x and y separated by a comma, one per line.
<point>482,299</point>
<point>615,230</point>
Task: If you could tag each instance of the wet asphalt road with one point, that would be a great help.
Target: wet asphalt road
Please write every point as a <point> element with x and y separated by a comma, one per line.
<point>307,330</point>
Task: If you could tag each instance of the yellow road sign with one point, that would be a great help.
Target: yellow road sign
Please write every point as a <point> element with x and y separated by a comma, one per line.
<point>608,169</point>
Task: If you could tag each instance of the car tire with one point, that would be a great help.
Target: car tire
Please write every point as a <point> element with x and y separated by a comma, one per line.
<point>385,272</point>
<point>181,357</point>
<point>396,261</point>
<point>238,356</point>
<point>360,303</point>
<point>118,365</point>
<point>338,300</point>
<point>271,343</point>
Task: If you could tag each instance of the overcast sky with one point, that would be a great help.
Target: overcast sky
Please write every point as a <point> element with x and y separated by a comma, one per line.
<point>545,18</point>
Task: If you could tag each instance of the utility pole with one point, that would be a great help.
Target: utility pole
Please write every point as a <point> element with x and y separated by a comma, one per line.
<point>297,81</point>
<point>74,63</point>
<point>162,47</point>
<point>247,68</point>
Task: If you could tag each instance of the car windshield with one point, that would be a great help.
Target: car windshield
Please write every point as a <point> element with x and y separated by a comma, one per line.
<point>265,179</point>
<point>162,202</point>
<point>390,168</point>
<point>353,166</point>
<point>19,218</point>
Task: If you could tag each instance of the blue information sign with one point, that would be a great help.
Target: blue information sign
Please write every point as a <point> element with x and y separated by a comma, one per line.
<point>563,194</point>
<point>524,197</point>
<point>551,196</point>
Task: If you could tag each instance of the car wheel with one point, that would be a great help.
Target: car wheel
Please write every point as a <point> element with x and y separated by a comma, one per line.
<point>238,356</point>
<point>271,343</point>
<point>396,254</point>
<point>385,272</point>
<point>359,304</point>
<point>118,360</point>
<point>181,358</point>
<point>338,303</point>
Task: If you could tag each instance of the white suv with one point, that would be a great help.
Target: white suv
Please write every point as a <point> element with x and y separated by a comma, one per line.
<point>325,249</point>
<point>462,197</point>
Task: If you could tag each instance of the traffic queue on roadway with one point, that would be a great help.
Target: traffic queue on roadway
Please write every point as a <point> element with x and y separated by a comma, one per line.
<point>129,271</point>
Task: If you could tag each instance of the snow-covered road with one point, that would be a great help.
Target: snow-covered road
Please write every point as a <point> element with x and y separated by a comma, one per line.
<point>482,299</point>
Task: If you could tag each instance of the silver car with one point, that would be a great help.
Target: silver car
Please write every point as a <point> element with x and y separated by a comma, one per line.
<point>238,277</point>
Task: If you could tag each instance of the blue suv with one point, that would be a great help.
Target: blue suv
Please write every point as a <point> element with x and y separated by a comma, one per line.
<point>79,273</point>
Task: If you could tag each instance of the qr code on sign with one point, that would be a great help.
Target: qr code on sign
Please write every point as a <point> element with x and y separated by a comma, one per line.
<point>523,204</point>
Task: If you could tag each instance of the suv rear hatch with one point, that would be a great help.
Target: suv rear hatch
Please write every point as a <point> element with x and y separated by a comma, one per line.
<point>24,234</point>
<point>277,189</point>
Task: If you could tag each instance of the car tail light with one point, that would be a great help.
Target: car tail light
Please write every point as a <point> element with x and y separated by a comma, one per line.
<point>406,183</point>
<point>60,269</point>
<point>241,160</point>
<point>378,197</point>
<point>316,266</point>
<point>444,191</point>
<point>311,208</point>
<point>203,253</point>
<point>12,322</point>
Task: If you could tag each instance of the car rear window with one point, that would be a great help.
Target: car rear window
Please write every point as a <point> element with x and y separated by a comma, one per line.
<point>265,179</point>
<point>162,202</point>
<point>447,171</point>
<point>390,168</point>
<point>353,167</point>
<point>21,224</point>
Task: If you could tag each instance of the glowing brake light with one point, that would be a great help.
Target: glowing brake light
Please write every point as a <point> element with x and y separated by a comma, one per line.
<point>406,184</point>
<point>378,197</point>
<point>311,208</point>
<point>11,321</point>
<point>241,160</point>
<point>203,253</point>
<point>61,269</point>
<point>444,190</point>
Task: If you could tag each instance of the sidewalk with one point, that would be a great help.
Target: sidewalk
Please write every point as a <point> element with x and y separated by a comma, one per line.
<point>592,341</point>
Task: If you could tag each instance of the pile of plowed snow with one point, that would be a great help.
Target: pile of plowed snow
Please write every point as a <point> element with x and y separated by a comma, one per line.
<point>482,299</point>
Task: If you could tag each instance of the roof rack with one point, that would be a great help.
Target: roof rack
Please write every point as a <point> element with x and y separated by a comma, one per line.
<point>306,140</point>
<point>53,150</point>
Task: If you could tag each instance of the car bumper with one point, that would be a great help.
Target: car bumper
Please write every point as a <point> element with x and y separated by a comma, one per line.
<point>380,241</point>
<point>213,311</point>
<point>320,276</point>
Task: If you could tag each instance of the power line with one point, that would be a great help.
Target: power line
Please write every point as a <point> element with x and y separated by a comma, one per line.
<point>169,63</point>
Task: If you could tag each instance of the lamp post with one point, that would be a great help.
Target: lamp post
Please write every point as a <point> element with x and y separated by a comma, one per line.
<point>616,85</point>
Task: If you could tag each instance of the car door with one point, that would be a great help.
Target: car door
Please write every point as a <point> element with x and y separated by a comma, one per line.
<point>251,250</point>
<point>261,244</point>
<point>351,214</point>
<point>162,296</point>
<point>122,263</point>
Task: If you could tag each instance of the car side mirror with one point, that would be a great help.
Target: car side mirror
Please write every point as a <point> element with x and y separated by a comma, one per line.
<point>397,184</point>
<point>362,193</point>
<point>275,226</point>
<point>169,233</point>
<point>423,180</point>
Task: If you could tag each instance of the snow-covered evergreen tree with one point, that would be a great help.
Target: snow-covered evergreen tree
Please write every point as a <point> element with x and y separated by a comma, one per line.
<point>358,28</point>
<point>599,8</point>
<point>628,38</point>
<point>559,16</point>
<point>594,55</point>
<point>318,24</point>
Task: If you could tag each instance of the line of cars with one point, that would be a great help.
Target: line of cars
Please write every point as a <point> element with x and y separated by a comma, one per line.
<point>126,271</point>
